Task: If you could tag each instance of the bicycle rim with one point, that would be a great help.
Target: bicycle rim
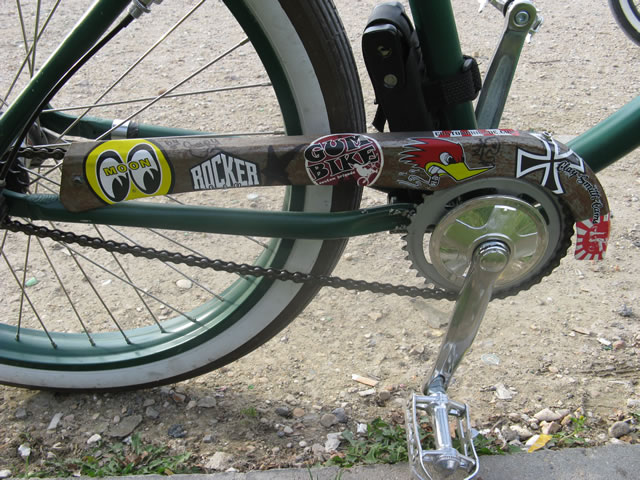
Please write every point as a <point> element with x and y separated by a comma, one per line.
<point>205,319</point>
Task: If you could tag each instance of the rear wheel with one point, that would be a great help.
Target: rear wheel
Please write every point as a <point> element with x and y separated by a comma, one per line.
<point>77,319</point>
<point>627,14</point>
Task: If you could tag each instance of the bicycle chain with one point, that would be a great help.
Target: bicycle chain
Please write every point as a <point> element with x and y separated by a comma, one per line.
<point>216,264</point>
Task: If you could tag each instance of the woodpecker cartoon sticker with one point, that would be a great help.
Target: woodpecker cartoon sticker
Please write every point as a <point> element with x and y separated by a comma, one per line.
<point>439,159</point>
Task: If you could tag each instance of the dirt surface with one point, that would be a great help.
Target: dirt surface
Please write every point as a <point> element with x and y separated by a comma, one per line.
<point>571,342</point>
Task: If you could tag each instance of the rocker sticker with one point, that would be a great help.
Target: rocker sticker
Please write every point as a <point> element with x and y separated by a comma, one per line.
<point>120,170</point>
<point>334,159</point>
<point>224,171</point>
<point>439,159</point>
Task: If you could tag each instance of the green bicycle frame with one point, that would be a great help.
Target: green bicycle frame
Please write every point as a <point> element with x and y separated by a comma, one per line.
<point>434,21</point>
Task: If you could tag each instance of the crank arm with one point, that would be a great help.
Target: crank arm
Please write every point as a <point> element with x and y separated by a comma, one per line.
<point>521,18</point>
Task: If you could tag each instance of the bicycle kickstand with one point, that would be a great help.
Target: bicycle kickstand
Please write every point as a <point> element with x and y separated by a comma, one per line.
<point>487,263</point>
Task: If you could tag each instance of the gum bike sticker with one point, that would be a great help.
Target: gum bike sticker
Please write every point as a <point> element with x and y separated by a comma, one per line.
<point>334,159</point>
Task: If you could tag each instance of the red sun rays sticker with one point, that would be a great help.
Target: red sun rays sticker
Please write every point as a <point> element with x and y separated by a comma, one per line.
<point>592,238</point>
<point>334,159</point>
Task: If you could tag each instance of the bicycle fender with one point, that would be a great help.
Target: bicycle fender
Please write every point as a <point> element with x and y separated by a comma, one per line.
<point>101,173</point>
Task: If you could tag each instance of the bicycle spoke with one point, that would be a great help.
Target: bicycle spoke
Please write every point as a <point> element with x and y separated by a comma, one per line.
<point>177,85</point>
<point>148,99</point>
<point>124,272</point>
<point>66,293</point>
<point>133,65</point>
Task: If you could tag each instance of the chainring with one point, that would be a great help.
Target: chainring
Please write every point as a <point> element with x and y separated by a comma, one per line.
<point>539,211</point>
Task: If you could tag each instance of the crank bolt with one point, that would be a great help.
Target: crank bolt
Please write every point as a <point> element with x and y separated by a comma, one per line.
<point>521,18</point>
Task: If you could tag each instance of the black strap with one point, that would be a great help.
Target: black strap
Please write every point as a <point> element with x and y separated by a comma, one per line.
<point>459,88</point>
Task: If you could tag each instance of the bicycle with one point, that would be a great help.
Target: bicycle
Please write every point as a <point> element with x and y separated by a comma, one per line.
<point>244,312</point>
<point>627,14</point>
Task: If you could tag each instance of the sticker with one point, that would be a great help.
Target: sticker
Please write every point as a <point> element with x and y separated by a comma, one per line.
<point>346,157</point>
<point>439,158</point>
<point>592,238</point>
<point>120,170</point>
<point>493,132</point>
<point>547,163</point>
<point>224,171</point>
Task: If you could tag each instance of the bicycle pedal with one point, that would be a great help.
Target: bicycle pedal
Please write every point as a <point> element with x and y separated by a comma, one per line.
<point>453,457</point>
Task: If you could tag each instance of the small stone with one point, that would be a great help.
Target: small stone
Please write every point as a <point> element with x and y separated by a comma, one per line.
<point>619,429</point>
<point>291,400</point>
<point>287,430</point>
<point>551,428</point>
<point>328,420</point>
<point>53,424</point>
<point>298,412</point>
<point>633,403</point>
<point>219,461</point>
<point>20,414</point>
<point>547,415</point>
<point>5,473</point>
<point>302,444</point>
<point>332,443</point>
<point>604,342</point>
<point>177,431</point>
<point>283,412</point>
<point>384,395</point>
<point>207,438</point>
<point>207,402</point>
<point>191,405</point>
<point>625,311</point>
<point>184,284</point>
<point>619,345</point>
<point>375,316</point>
<point>178,397</point>
<point>317,449</point>
<point>503,393</point>
<point>151,412</point>
<point>553,369</point>
<point>366,393</point>
<point>522,432</point>
<point>508,434</point>
<point>275,450</point>
<point>126,426</point>
<point>361,428</point>
<point>95,438</point>
<point>341,415</point>
<point>148,402</point>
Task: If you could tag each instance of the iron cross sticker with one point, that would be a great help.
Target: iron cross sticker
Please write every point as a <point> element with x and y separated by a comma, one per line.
<point>548,163</point>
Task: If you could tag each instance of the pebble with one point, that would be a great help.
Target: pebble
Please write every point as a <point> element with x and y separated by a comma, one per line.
<point>366,393</point>
<point>151,412</point>
<point>207,438</point>
<point>547,415</point>
<point>207,402</point>
<point>184,284</point>
<point>148,402</point>
<point>503,393</point>
<point>328,420</point>
<point>633,403</point>
<point>191,405</point>
<point>177,431</point>
<point>5,473</point>
<point>291,400</point>
<point>522,432</point>
<point>95,438</point>
<point>508,434</point>
<point>317,449</point>
<point>302,444</point>
<point>619,344</point>
<point>178,397</point>
<point>332,443</point>
<point>126,426</point>
<point>341,415</point>
<point>287,430</point>
<point>298,412</point>
<point>625,311</point>
<point>619,429</point>
<point>384,395</point>
<point>219,461</point>
<point>20,414</point>
<point>550,428</point>
<point>55,421</point>
<point>283,412</point>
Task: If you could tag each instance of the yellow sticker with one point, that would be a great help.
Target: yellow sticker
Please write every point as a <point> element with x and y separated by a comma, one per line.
<point>120,170</point>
